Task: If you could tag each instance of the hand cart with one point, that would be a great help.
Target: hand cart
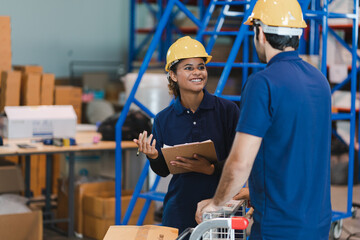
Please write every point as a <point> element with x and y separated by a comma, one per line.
<point>228,223</point>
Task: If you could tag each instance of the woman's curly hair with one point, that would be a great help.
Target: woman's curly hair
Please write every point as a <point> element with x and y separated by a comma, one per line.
<point>173,86</point>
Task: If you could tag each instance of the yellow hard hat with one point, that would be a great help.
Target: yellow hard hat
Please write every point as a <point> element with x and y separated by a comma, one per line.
<point>185,47</point>
<point>278,13</point>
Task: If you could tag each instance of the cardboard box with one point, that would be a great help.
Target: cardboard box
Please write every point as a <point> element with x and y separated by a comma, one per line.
<point>30,89</point>
<point>99,212</point>
<point>147,232</point>
<point>10,89</point>
<point>22,226</point>
<point>69,95</point>
<point>29,68</point>
<point>5,43</point>
<point>86,218</point>
<point>18,226</point>
<point>80,190</point>
<point>47,86</point>
<point>11,180</point>
<point>40,121</point>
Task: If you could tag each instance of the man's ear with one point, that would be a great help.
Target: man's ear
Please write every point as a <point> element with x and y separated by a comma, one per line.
<point>173,76</point>
<point>262,37</point>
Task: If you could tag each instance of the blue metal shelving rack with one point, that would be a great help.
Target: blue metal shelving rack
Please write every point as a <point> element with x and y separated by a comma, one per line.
<point>317,17</point>
<point>156,9</point>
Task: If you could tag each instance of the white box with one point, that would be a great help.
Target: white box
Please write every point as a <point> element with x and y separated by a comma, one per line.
<point>337,73</point>
<point>342,99</point>
<point>40,121</point>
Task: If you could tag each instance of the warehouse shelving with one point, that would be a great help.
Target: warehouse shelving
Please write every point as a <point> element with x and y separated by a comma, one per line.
<point>156,9</point>
<point>316,14</point>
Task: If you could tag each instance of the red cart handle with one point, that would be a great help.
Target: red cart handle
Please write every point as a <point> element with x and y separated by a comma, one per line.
<point>239,223</point>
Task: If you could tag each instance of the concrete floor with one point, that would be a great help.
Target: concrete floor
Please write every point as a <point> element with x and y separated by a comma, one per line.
<point>338,199</point>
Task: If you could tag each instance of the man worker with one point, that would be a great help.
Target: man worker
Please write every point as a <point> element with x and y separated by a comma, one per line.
<point>282,144</point>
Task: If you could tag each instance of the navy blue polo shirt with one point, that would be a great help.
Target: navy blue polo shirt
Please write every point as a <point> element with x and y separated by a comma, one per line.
<point>288,104</point>
<point>215,119</point>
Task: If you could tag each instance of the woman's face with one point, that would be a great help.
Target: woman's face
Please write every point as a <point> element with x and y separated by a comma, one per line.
<point>191,75</point>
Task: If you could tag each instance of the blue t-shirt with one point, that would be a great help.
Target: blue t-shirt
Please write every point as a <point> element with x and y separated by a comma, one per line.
<point>215,119</point>
<point>288,104</point>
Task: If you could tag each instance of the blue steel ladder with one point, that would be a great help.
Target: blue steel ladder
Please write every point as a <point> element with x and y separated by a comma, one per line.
<point>156,9</point>
<point>314,13</point>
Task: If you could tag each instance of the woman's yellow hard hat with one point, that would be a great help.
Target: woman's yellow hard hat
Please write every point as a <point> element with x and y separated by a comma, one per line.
<point>183,48</point>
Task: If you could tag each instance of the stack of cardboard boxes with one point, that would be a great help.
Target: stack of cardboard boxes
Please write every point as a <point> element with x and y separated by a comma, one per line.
<point>95,208</point>
<point>18,226</point>
<point>28,85</point>
<point>5,46</point>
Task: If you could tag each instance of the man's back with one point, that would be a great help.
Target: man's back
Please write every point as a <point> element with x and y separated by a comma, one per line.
<point>288,105</point>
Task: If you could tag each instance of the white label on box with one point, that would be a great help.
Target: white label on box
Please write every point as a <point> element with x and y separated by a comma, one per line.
<point>42,128</point>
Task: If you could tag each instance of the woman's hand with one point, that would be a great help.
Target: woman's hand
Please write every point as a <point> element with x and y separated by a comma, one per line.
<point>243,194</point>
<point>197,164</point>
<point>145,147</point>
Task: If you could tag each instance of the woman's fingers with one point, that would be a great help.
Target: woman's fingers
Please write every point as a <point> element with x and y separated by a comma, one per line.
<point>140,142</point>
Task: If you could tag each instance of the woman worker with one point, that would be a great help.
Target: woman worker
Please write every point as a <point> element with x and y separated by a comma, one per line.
<point>195,116</point>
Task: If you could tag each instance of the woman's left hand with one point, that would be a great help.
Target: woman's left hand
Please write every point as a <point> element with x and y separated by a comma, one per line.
<point>197,164</point>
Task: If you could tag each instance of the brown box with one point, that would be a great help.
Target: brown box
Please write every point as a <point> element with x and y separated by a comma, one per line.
<point>18,226</point>
<point>22,226</point>
<point>11,180</point>
<point>30,89</point>
<point>99,212</point>
<point>28,68</point>
<point>80,190</point>
<point>94,189</point>
<point>10,89</point>
<point>69,95</point>
<point>47,86</point>
<point>5,43</point>
<point>147,232</point>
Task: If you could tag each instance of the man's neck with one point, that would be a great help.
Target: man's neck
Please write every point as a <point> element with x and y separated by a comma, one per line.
<point>270,52</point>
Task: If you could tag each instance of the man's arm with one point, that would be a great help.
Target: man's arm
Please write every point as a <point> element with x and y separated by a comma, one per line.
<point>235,173</point>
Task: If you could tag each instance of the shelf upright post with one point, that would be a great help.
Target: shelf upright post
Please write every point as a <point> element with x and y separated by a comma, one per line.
<point>355,35</point>
<point>131,37</point>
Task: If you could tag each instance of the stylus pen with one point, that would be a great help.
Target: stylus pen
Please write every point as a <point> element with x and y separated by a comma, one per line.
<point>138,152</point>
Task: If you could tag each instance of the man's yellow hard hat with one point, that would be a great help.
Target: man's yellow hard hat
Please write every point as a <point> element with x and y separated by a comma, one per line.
<point>278,13</point>
<point>183,48</point>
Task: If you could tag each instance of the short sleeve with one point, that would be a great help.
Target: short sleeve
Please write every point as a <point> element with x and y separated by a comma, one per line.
<point>255,107</point>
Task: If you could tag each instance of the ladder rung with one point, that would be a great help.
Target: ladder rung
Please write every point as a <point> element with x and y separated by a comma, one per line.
<point>232,3</point>
<point>234,14</point>
<point>223,64</point>
<point>340,116</point>
<point>157,196</point>
<point>231,97</point>
<point>230,33</point>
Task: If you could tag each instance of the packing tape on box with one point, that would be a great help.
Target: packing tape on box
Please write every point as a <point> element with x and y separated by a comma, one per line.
<point>142,233</point>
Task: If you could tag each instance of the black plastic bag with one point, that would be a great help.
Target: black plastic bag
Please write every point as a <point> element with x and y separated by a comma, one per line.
<point>136,122</point>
